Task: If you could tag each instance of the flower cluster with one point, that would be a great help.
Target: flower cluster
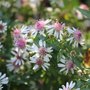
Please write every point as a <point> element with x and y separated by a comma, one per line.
<point>57,30</point>
<point>42,55</point>
<point>20,49</point>
<point>39,44</point>
<point>3,80</point>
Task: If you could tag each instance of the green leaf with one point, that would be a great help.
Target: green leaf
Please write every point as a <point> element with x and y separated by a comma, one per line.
<point>85,12</point>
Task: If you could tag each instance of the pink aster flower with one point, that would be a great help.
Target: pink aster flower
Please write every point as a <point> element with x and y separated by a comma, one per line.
<point>58,26</point>
<point>39,62</point>
<point>75,37</point>
<point>39,27</point>
<point>16,33</point>
<point>57,30</point>
<point>21,43</point>
<point>66,65</point>
<point>42,50</point>
<point>22,31</point>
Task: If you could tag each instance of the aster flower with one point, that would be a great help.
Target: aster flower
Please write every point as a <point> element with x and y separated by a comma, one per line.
<point>19,32</point>
<point>3,27</point>
<point>39,62</point>
<point>69,86</point>
<point>3,80</point>
<point>17,60</point>
<point>66,65</point>
<point>57,30</point>
<point>75,37</point>
<point>39,28</point>
<point>42,50</point>
<point>11,66</point>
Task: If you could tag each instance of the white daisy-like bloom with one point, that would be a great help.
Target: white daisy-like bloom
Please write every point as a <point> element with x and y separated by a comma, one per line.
<point>11,66</point>
<point>3,80</point>
<point>69,86</point>
<point>17,60</point>
<point>39,28</point>
<point>66,65</point>
<point>39,62</point>
<point>75,37</point>
<point>42,50</point>
<point>3,27</point>
<point>19,32</point>
<point>57,30</point>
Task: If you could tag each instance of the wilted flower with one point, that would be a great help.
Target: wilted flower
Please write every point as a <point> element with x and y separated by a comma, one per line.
<point>39,62</point>
<point>75,37</point>
<point>3,80</point>
<point>87,59</point>
<point>69,86</point>
<point>3,27</point>
<point>42,50</point>
<point>66,65</point>
<point>57,30</point>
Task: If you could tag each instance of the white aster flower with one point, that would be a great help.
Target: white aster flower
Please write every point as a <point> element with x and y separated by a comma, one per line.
<point>39,28</point>
<point>66,65</point>
<point>11,66</point>
<point>3,27</point>
<point>69,86</point>
<point>75,37</point>
<point>17,60</point>
<point>39,62</point>
<point>42,50</point>
<point>57,30</point>
<point>3,80</point>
